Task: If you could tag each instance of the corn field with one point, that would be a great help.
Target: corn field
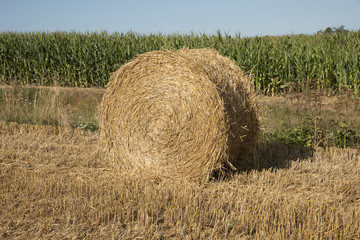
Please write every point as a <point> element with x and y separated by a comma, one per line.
<point>292,63</point>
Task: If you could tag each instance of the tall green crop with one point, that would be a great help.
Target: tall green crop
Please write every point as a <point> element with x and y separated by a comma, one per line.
<point>276,64</point>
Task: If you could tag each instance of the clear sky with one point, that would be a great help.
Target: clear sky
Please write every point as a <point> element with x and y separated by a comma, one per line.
<point>249,18</point>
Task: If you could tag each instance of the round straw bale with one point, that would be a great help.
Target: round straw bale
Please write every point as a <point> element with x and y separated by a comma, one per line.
<point>178,114</point>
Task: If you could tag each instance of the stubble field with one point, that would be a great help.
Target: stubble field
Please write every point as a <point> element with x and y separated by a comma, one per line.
<point>55,184</point>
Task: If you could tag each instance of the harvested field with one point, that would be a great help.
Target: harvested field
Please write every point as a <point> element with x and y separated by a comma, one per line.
<point>54,184</point>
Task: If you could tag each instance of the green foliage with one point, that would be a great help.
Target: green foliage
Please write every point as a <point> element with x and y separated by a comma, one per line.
<point>308,134</point>
<point>333,30</point>
<point>292,63</point>
<point>344,136</point>
<point>300,135</point>
<point>87,126</point>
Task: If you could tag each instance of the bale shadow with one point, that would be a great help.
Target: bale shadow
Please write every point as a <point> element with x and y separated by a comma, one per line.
<point>276,155</point>
<point>268,155</point>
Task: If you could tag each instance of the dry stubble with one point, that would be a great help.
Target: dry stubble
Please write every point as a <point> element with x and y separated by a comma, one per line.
<point>54,185</point>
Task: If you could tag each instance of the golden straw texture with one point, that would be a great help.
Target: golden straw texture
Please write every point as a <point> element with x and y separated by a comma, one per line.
<point>178,114</point>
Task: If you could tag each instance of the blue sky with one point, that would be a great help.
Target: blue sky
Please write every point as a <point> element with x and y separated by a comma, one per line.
<point>249,18</point>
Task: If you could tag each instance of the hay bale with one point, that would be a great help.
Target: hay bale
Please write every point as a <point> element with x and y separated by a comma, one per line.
<point>178,114</point>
